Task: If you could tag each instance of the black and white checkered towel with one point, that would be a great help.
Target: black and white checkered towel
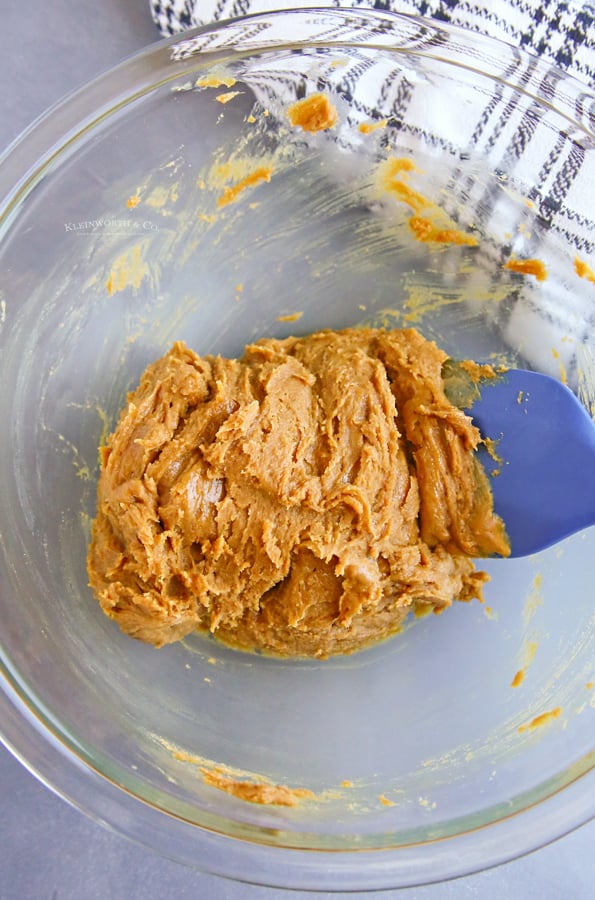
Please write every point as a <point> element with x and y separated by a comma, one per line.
<point>563,31</point>
<point>562,34</point>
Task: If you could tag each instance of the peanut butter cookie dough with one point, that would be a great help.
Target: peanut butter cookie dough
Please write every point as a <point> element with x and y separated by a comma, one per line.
<point>300,501</point>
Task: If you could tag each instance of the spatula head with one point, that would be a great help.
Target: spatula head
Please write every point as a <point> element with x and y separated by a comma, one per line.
<point>544,481</point>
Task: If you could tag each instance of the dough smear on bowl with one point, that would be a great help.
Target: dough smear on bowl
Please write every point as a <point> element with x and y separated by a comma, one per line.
<point>300,501</point>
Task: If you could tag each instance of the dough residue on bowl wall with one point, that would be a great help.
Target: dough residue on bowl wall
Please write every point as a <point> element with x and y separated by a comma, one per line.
<point>313,113</point>
<point>248,786</point>
<point>541,720</point>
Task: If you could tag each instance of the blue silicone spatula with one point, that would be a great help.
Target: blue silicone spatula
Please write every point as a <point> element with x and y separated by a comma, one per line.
<point>545,489</point>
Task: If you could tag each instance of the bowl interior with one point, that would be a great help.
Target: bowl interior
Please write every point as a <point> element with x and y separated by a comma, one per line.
<point>122,239</point>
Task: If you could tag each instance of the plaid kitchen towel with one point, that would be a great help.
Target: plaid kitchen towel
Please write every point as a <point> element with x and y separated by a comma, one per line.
<point>561,312</point>
<point>561,32</point>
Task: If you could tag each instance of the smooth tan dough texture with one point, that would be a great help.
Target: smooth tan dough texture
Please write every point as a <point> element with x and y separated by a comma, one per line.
<point>301,501</point>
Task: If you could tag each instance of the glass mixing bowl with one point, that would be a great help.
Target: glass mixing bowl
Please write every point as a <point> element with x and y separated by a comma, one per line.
<point>172,199</point>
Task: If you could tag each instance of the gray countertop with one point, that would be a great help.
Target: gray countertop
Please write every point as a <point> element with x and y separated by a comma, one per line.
<point>47,849</point>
